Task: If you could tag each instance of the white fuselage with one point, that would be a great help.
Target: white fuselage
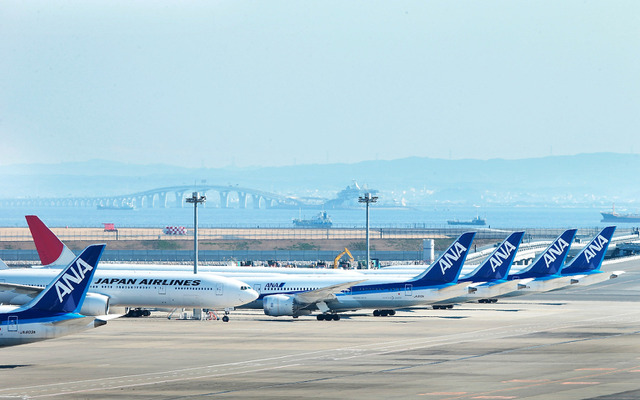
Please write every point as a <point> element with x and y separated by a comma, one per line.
<point>377,292</point>
<point>15,331</point>
<point>143,288</point>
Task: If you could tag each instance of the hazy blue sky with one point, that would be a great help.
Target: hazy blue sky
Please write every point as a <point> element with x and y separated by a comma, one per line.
<point>245,83</point>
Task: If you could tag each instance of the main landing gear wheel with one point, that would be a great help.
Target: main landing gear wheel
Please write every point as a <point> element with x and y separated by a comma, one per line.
<point>383,313</point>
<point>328,317</point>
<point>225,318</point>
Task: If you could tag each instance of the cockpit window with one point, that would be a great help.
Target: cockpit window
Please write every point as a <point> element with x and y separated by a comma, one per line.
<point>245,287</point>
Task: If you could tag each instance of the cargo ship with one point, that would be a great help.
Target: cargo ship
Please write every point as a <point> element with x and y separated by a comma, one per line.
<point>321,220</point>
<point>612,216</point>
<point>476,221</point>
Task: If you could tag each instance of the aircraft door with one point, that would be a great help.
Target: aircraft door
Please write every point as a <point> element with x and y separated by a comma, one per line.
<point>13,323</point>
<point>407,289</point>
<point>256,287</point>
<point>219,289</point>
<point>162,290</point>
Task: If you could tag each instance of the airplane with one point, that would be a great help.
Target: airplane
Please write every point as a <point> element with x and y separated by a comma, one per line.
<point>300,294</point>
<point>136,289</point>
<point>55,311</point>
<point>438,282</point>
<point>542,274</point>
<point>383,294</point>
<point>128,288</point>
<point>584,269</point>
<point>489,279</point>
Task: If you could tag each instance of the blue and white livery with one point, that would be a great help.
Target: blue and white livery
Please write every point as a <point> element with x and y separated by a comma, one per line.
<point>54,312</point>
<point>383,294</point>
<point>584,269</point>
<point>489,279</point>
<point>543,274</point>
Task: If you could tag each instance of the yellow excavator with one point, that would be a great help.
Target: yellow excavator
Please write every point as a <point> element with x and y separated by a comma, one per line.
<point>337,259</point>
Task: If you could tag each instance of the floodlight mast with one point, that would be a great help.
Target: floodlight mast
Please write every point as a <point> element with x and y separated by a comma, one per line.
<point>195,199</point>
<point>367,198</point>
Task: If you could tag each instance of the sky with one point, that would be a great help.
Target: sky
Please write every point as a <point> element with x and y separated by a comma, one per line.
<point>273,83</point>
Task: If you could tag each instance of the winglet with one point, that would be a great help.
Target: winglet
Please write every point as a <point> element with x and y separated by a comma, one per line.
<point>3,265</point>
<point>591,257</point>
<point>67,291</point>
<point>51,250</point>
<point>447,267</point>
<point>551,260</point>
<point>497,265</point>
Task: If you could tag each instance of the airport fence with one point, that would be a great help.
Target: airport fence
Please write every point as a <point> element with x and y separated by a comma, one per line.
<point>236,234</point>
<point>13,256</point>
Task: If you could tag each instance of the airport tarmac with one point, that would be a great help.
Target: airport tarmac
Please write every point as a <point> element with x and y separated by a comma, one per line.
<point>582,343</point>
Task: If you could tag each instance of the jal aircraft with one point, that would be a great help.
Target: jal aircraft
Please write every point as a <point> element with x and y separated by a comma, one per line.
<point>55,311</point>
<point>300,294</point>
<point>128,288</point>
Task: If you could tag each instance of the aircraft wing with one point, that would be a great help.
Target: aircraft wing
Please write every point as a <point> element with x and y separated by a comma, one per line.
<point>324,293</point>
<point>31,291</point>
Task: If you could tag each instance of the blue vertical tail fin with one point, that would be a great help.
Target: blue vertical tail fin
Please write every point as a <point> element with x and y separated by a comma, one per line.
<point>447,267</point>
<point>498,264</point>
<point>66,293</point>
<point>551,260</point>
<point>591,257</point>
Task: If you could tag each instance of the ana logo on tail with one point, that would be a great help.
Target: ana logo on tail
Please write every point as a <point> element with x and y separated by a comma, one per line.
<point>596,245</point>
<point>65,284</point>
<point>448,259</point>
<point>499,257</point>
<point>554,251</point>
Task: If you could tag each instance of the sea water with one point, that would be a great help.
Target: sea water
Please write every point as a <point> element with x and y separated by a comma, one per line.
<point>381,217</point>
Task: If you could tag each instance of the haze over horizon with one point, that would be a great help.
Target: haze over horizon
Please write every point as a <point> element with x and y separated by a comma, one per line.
<point>242,83</point>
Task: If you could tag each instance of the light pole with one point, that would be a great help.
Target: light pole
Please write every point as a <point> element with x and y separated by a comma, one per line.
<point>367,198</point>
<point>195,199</point>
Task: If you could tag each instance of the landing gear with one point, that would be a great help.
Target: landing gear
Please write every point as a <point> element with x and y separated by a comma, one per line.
<point>488,301</point>
<point>444,307</point>
<point>328,317</point>
<point>226,316</point>
<point>137,313</point>
<point>383,313</point>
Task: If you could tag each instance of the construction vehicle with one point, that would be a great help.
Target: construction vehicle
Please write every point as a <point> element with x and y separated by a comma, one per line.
<point>343,264</point>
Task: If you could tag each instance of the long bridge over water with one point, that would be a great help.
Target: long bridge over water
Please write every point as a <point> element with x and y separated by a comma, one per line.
<point>173,197</point>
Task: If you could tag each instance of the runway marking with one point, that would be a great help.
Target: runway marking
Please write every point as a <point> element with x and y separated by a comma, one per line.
<point>494,397</point>
<point>525,381</point>
<point>442,394</point>
<point>580,383</point>
<point>595,369</point>
<point>560,381</point>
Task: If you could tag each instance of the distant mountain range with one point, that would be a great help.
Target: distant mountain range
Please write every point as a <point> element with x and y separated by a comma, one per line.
<point>588,179</point>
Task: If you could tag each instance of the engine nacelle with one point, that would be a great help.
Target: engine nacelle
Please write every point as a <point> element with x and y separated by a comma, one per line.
<point>95,304</point>
<point>278,305</point>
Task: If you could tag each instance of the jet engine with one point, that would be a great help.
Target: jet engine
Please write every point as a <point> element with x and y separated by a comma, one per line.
<point>95,304</point>
<point>278,305</point>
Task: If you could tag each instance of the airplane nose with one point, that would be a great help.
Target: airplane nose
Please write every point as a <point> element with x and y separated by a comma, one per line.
<point>249,295</point>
